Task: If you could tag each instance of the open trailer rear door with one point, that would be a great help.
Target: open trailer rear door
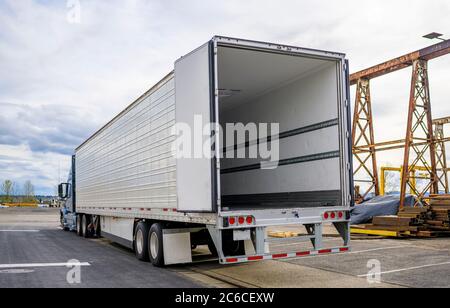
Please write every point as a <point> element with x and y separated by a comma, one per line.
<point>195,100</point>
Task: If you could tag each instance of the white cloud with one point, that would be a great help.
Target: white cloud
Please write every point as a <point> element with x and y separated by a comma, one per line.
<point>89,72</point>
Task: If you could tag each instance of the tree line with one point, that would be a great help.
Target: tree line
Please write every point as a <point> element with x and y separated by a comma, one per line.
<point>11,192</point>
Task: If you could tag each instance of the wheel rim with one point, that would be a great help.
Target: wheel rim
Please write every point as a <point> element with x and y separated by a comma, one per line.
<point>139,241</point>
<point>154,242</point>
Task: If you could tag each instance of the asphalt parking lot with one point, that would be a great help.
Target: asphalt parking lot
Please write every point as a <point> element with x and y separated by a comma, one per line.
<point>34,252</point>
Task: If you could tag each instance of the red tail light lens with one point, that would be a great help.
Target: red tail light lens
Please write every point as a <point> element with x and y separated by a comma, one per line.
<point>333,215</point>
<point>326,216</point>
<point>232,221</point>
<point>341,215</point>
<point>249,220</point>
<point>241,220</point>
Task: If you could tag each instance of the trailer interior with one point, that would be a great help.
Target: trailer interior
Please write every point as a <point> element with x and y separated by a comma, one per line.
<point>300,94</point>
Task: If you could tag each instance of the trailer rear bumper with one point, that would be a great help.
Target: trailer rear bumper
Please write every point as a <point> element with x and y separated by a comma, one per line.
<point>258,246</point>
<point>280,217</point>
<point>280,256</point>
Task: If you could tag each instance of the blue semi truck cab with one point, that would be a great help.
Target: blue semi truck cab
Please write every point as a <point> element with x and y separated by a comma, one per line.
<point>67,196</point>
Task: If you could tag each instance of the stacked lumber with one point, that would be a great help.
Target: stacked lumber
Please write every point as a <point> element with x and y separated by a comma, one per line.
<point>430,221</point>
<point>440,213</point>
<point>396,223</point>
<point>418,214</point>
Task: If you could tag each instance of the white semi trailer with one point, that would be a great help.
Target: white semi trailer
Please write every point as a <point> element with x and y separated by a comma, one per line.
<point>128,185</point>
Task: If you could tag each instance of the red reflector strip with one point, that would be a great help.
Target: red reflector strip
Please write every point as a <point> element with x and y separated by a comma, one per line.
<point>325,251</point>
<point>303,253</point>
<point>256,258</point>
<point>283,255</point>
<point>286,255</point>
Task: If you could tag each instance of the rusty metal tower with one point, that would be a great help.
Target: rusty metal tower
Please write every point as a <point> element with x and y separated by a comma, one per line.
<point>441,154</point>
<point>419,146</point>
<point>366,170</point>
<point>422,150</point>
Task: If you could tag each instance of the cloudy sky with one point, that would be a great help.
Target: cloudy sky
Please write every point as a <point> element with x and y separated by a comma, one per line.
<point>63,77</point>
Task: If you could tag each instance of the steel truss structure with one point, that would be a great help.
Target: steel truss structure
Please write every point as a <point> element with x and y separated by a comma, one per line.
<point>424,144</point>
<point>441,154</point>
<point>419,146</point>
<point>366,170</point>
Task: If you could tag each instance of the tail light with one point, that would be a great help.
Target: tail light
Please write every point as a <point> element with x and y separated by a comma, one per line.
<point>333,215</point>
<point>241,221</point>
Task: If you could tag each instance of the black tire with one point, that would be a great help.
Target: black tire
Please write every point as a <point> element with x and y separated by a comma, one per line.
<point>85,222</point>
<point>140,242</point>
<point>79,228</point>
<point>230,247</point>
<point>155,245</point>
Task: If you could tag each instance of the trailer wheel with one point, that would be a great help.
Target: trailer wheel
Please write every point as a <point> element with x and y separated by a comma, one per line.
<point>230,247</point>
<point>85,222</point>
<point>79,227</point>
<point>141,242</point>
<point>155,245</point>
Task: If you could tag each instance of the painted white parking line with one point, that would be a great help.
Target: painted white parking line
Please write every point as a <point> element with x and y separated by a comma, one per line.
<point>21,231</point>
<point>407,269</point>
<point>35,265</point>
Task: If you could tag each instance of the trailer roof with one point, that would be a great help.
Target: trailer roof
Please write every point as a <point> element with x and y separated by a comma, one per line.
<point>276,46</point>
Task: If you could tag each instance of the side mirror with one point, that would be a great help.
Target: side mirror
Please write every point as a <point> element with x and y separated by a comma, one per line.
<point>63,190</point>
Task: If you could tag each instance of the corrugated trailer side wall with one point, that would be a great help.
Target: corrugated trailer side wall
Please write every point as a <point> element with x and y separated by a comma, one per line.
<point>129,164</point>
